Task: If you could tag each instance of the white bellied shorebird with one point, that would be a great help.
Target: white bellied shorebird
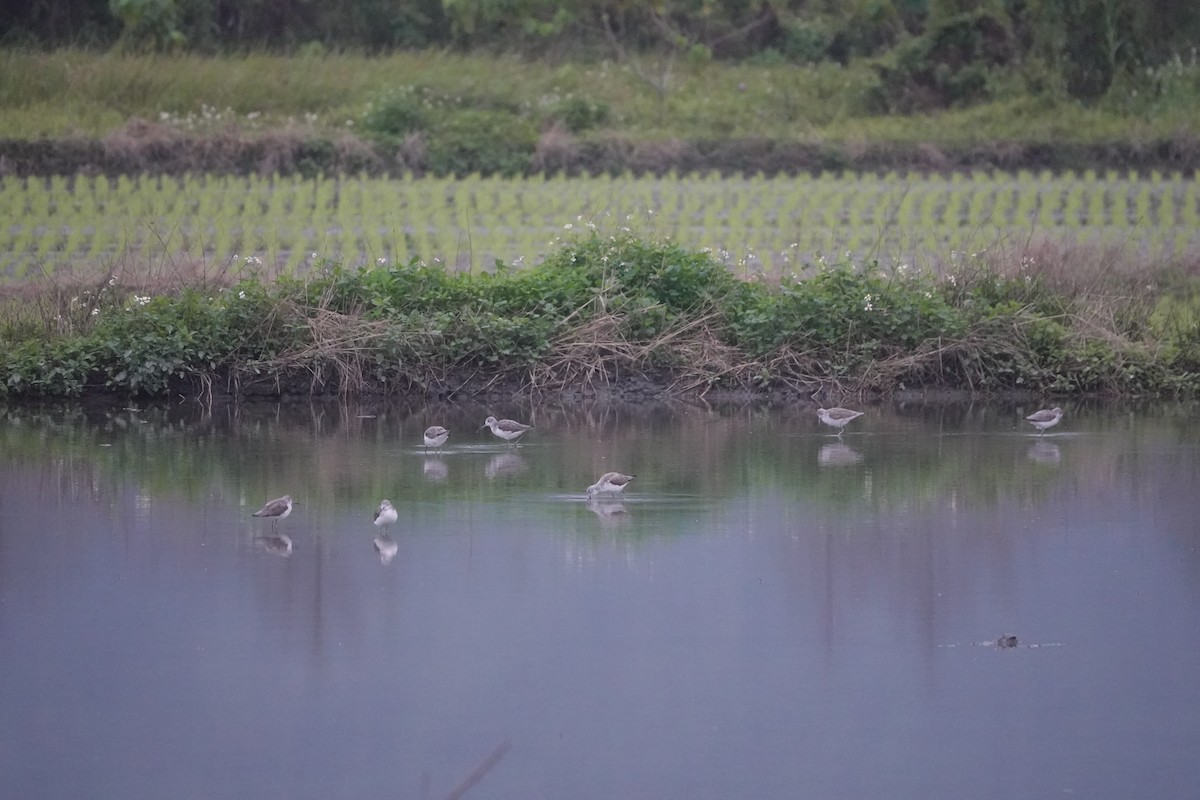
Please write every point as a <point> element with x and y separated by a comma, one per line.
<point>612,483</point>
<point>1046,418</point>
<point>435,436</point>
<point>506,429</point>
<point>276,510</point>
<point>385,515</point>
<point>838,417</point>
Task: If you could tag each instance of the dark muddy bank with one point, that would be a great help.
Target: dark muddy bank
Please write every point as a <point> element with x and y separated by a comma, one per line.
<point>144,148</point>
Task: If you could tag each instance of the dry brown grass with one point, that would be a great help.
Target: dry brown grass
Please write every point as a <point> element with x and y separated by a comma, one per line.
<point>61,303</point>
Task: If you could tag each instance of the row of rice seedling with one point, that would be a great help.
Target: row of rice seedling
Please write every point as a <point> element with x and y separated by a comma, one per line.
<point>755,223</point>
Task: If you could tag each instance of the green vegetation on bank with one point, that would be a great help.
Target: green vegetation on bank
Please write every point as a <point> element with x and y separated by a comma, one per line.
<point>602,310</point>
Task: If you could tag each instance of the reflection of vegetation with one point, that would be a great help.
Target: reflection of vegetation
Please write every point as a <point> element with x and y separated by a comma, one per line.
<point>336,455</point>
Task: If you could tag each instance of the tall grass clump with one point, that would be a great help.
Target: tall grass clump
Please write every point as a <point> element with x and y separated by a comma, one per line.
<point>603,310</point>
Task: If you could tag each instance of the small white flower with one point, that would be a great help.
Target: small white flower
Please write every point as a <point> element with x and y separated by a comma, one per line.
<point>241,295</point>
<point>253,260</point>
<point>867,304</point>
<point>381,262</point>
<point>95,312</point>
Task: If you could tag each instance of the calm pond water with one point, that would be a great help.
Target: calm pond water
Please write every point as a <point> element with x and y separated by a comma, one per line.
<point>771,612</point>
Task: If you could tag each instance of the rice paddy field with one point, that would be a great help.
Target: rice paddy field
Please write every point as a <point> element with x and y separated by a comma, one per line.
<point>757,225</point>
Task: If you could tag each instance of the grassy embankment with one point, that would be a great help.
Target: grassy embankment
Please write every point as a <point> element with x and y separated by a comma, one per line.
<point>604,310</point>
<point>444,113</point>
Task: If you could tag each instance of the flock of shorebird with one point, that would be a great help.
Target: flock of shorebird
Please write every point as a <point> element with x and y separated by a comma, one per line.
<point>841,417</point>
<point>610,483</point>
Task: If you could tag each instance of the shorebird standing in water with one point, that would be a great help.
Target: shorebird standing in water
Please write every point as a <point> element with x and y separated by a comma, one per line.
<point>506,429</point>
<point>276,510</point>
<point>385,545</point>
<point>435,436</point>
<point>838,417</point>
<point>612,483</point>
<point>1046,418</point>
<point>386,514</point>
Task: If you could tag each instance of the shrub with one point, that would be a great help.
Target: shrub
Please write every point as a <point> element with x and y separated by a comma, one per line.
<point>396,114</point>
<point>486,142</point>
<point>846,310</point>
<point>580,114</point>
<point>948,65</point>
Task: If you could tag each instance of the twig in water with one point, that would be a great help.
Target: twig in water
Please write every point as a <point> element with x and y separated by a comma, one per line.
<point>477,774</point>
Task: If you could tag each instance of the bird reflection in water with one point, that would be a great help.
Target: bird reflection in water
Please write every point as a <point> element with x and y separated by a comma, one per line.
<point>434,469</point>
<point>277,544</point>
<point>386,547</point>
<point>837,455</point>
<point>504,464</point>
<point>1044,452</point>
<point>608,511</point>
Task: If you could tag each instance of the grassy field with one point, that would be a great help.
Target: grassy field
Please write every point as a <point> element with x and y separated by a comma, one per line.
<point>209,225</point>
<point>83,93</point>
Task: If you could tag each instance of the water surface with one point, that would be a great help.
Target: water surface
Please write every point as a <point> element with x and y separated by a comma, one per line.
<point>772,611</point>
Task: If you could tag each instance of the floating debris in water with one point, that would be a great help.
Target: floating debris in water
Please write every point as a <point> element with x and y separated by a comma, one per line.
<point>1007,641</point>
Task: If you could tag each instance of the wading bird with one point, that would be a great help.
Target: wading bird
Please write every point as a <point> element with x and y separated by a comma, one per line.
<point>385,515</point>
<point>435,436</point>
<point>838,417</point>
<point>612,483</point>
<point>1046,418</point>
<point>506,429</point>
<point>276,510</point>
